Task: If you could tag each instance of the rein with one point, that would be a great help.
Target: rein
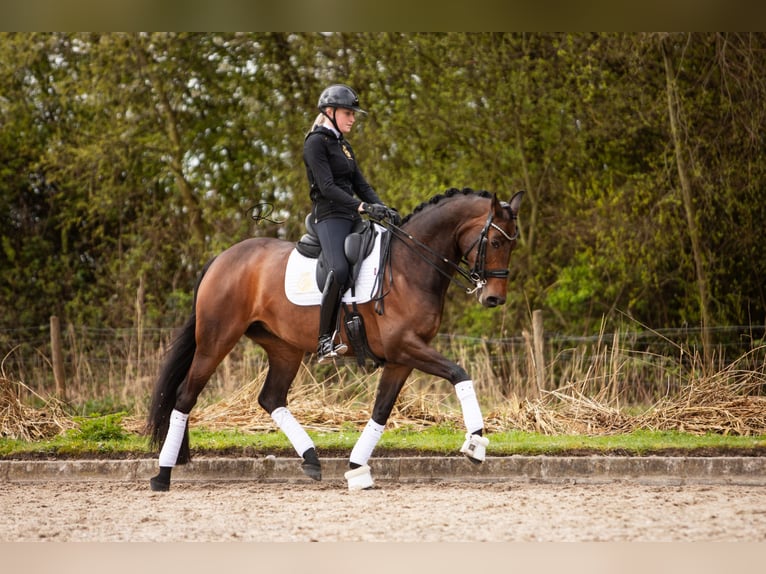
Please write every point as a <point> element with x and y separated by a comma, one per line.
<point>478,275</point>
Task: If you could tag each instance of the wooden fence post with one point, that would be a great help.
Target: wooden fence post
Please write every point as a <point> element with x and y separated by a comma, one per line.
<point>57,357</point>
<point>538,345</point>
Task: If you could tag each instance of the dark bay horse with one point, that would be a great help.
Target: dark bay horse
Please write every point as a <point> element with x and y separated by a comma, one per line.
<point>241,292</point>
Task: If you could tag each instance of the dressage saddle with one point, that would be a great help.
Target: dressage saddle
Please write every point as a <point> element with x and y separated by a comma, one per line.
<point>358,245</point>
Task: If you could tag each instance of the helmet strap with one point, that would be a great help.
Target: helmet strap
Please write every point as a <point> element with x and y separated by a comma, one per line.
<point>332,119</point>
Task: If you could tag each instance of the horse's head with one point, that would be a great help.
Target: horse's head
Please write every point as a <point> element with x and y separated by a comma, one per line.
<point>489,251</point>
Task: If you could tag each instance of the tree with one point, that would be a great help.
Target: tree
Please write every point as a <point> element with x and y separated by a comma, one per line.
<point>128,160</point>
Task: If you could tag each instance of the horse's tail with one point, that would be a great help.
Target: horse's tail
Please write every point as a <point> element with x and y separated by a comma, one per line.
<point>172,375</point>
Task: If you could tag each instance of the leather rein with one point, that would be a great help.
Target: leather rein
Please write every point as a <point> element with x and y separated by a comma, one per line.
<point>479,274</point>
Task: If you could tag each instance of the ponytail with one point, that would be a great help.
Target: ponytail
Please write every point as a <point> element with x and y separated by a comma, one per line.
<point>317,122</point>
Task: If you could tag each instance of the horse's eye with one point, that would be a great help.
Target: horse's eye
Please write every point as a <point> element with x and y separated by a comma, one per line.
<point>496,244</point>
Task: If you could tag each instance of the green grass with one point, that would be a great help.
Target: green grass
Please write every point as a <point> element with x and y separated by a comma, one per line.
<point>635,443</point>
<point>103,436</point>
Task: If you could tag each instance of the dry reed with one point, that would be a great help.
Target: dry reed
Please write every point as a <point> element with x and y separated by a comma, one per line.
<point>730,401</point>
<point>604,387</point>
<point>23,422</point>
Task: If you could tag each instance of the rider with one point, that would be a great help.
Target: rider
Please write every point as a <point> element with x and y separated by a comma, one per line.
<point>339,194</point>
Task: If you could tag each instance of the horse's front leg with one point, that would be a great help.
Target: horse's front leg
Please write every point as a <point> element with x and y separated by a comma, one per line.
<point>391,382</point>
<point>419,355</point>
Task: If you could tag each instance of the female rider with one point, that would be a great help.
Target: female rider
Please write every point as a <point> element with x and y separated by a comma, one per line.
<point>339,194</point>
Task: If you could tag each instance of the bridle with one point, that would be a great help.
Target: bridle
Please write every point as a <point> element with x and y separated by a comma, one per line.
<point>478,275</point>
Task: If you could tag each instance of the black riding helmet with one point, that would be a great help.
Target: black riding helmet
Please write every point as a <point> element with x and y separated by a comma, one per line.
<point>339,96</point>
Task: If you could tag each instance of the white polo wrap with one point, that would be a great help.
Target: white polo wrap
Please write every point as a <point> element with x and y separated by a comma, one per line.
<point>174,438</point>
<point>298,437</point>
<point>470,405</point>
<point>366,443</point>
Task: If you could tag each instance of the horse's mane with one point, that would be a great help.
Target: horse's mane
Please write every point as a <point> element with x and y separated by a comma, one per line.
<point>451,192</point>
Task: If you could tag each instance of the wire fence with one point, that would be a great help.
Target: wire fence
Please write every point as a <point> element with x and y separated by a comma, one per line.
<point>645,364</point>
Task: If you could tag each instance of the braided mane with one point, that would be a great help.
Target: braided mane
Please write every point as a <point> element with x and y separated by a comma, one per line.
<point>451,192</point>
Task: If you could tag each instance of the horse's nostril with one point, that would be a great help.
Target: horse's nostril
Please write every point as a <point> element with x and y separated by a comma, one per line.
<point>493,301</point>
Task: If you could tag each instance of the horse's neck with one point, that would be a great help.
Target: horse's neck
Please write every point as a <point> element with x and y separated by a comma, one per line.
<point>439,228</point>
<point>440,235</point>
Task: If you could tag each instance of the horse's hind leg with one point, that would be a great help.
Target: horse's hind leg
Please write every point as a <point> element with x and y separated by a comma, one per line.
<point>207,357</point>
<point>284,362</point>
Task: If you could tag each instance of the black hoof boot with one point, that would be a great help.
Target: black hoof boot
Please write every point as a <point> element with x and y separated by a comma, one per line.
<point>161,482</point>
<point>310,465</point>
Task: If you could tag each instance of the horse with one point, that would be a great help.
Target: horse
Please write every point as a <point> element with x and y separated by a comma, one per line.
<point>241,292</point>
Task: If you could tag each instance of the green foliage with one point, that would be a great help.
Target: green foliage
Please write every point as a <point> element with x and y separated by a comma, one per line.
<point>128,160</point>
<point>97,428</point>
<point>576,287</point>
<point>102,438</point>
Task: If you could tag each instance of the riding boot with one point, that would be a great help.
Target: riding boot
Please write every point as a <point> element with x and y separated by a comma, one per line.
<point>328,321</point>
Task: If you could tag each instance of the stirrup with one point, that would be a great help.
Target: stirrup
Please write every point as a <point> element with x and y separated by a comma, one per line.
<point>327,349</point>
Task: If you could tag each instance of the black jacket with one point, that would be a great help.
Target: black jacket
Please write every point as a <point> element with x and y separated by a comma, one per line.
<point>334,176</point>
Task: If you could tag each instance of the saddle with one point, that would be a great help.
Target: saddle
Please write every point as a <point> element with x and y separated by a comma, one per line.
<point>358,245</point>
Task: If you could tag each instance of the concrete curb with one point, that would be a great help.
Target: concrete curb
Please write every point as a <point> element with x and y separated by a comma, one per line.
<point>530,469</point>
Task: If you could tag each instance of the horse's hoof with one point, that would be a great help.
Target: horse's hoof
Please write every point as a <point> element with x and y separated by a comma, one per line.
<point>359,478</point>
<point>312,470</point>
<point>475,448</point>
<point>159,485</point>
<point>310,465</point>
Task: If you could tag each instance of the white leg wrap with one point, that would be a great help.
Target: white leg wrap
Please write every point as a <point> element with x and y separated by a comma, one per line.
<point>298,437</point>
<point>475,447</point>
<point>366,443</point>
<point>359,478</point>
<point>471,411</point>
<point>174,438</point>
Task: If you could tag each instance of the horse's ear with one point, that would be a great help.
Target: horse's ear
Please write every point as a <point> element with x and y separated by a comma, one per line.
<point>515,202</point>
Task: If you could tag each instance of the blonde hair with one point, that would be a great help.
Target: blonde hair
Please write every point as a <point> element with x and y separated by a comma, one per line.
<point>320,119</point>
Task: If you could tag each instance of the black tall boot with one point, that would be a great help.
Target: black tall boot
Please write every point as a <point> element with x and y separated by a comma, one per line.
<point>328,321</point>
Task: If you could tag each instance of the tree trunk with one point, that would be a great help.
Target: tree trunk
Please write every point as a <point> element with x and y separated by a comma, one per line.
<point>176,151</point>
<point>531,215</point>
<point>675,115</point>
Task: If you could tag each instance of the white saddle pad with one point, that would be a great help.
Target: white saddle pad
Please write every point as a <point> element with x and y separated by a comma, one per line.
<point>300,277</point>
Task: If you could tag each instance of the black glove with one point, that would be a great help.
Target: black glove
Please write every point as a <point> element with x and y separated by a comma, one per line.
<point>379,212</point>
<point>376,211</point>
<point>393,216</point>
